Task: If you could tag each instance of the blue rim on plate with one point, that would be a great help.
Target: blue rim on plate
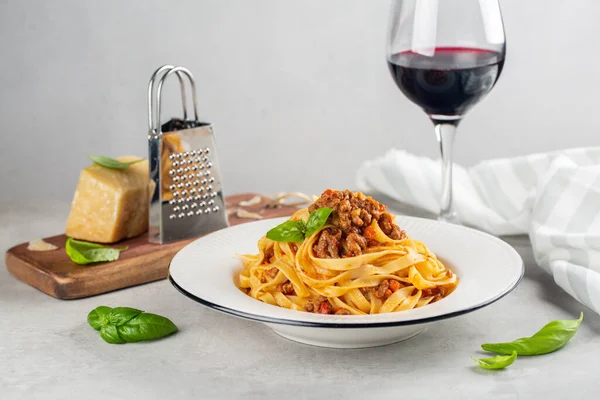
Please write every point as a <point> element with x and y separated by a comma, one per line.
<point>254,317</point>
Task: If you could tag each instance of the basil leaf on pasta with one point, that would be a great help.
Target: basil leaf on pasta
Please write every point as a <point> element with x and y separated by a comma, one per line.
<point>551,337</point>
<point>497,362</point>
<point>297,231</point>
<point>317,219</point>
<point>302,226</point>
<point>289,231</point>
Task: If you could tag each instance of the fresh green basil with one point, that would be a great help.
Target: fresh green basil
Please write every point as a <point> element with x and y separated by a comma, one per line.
<point>316,220</point>
<point>551,337</point>
<point>146,326</point>
<point>302,225</point>
<point>297,231</point>
<point>110,334</point>
<point>99,317</point>
<point>121,315</point>
<point>289,231</point>
<point>111,163</point>
<point>81,252</point>
<point>497,362</point>
<point>128,325</point>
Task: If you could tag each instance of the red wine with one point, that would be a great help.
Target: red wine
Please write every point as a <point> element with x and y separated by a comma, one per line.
<point>449,81</point>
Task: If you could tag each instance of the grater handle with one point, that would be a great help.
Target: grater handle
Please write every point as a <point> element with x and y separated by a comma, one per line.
<point>151,84</point>
<point>173,70</point>
<point>190,77</point>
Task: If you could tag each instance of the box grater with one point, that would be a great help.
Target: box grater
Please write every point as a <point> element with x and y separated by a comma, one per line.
<point>188,199</point>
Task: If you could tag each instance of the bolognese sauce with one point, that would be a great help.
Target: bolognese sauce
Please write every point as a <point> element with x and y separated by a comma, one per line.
<point>351,218</point>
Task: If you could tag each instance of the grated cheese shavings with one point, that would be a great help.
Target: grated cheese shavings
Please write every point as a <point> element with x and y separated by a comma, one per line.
<point>241,213</point>
<point>40,245</point>
<point>252,202</point>
<point>283,199</point>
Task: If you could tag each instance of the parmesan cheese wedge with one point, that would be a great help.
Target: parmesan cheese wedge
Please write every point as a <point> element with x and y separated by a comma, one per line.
<point>111,204</point>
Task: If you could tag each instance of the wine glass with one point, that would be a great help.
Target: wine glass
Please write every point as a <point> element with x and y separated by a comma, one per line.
<point>445,56</point>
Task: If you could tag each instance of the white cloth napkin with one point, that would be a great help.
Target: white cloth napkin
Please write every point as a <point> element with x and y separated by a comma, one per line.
<point>553,197</point>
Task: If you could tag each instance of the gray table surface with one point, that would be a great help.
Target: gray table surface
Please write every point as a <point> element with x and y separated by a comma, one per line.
<point>47,349</point>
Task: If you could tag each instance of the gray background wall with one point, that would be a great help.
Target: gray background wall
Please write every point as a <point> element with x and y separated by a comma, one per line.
<point>299,91</point>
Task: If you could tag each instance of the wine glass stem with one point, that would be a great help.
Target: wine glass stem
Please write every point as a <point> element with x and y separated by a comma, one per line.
<point>445,132</point>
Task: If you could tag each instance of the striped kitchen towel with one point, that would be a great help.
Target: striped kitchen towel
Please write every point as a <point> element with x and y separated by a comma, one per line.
<point>553,197</point>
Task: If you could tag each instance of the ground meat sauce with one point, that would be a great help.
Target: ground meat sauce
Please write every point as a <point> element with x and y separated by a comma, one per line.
<point>329,243</point>
<point>286,288</point>
<point>352,216</point>
<point>437,292</point>
<point>322,306</point>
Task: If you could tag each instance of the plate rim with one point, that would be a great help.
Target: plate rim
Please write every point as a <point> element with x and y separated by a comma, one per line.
<point>380,324</point>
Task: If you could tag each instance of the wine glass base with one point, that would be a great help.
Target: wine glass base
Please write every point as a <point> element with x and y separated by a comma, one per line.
<point>451,218</point>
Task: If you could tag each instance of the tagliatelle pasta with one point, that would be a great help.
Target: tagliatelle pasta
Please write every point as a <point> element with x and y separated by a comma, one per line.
<point>347,266</point>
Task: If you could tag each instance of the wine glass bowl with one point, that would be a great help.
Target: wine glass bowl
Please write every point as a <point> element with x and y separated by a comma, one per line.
<point>450,81</point>
<point>445,56</point>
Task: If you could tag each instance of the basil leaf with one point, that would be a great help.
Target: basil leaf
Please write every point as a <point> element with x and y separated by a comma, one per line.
<point>551,337</point>
<point>497,362</point>
<point>120,315</point>
<point>302,226</point>
<point>317,219</point>
<point>111,162</point>
<point>98,317</point>
<point>81,252</point>
<point>146,326</point>
<point>109,334</point>
<point>289,231</point>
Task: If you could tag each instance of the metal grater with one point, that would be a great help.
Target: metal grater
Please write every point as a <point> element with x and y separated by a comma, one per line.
<point>188,199</point>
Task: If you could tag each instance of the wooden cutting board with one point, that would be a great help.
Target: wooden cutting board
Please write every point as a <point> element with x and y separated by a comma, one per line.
<point>53,272</point>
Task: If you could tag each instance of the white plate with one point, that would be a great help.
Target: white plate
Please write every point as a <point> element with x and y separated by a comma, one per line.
<point>487,268</point>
